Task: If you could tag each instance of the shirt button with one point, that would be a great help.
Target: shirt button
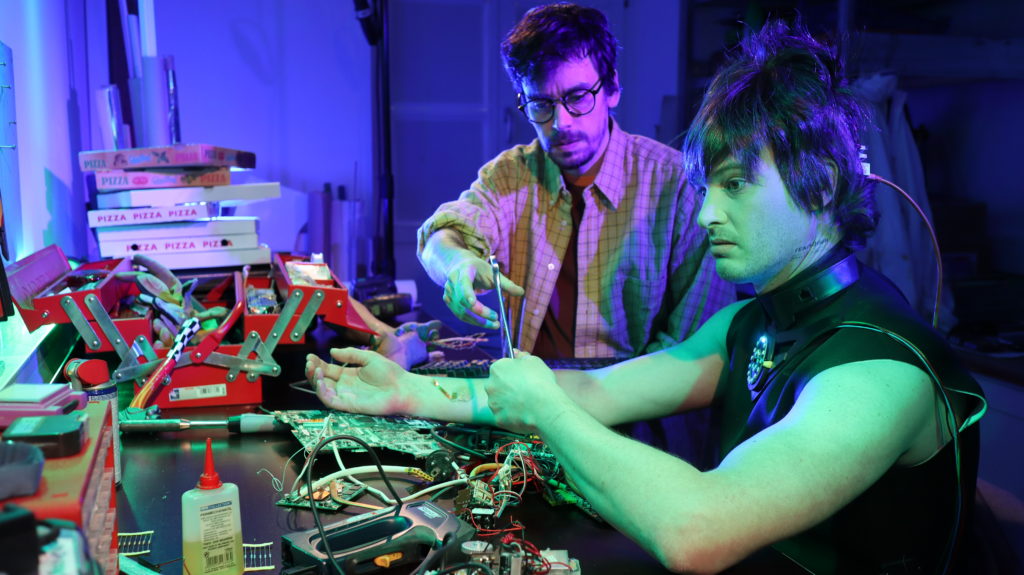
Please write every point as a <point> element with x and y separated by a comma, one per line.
<point>536,311</point>
<point>551,267</point>
<point>565,223</point>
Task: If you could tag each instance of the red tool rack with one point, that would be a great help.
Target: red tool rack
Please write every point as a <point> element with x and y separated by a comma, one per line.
<point>47,291</point>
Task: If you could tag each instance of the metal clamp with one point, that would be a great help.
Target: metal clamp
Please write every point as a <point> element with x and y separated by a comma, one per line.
<point>70,307</point>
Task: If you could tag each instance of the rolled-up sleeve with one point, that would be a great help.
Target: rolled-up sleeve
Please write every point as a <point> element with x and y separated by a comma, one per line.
<point>483,214</point>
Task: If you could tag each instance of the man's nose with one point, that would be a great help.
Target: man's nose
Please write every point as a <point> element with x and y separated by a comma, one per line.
<point>710,211</point>
<point>562,116</point>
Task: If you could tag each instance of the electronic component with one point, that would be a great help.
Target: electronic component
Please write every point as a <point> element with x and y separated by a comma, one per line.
<point>401,434</point>
<point>520,559</point>
<point>475,504</point>
<point>476,494</point>
<point>440,465</point>
<point>137,543</point>
<point>561,494</point>
<point>326,498</point>
<point>560,562</point>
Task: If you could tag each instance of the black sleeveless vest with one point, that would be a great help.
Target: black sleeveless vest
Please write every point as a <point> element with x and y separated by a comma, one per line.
<point>903,523</point>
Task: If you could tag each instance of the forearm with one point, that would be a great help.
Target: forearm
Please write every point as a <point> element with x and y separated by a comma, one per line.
<point>447,399</point>
<point>589,390</point>
<point>369,319</point>
<point>645,387</point>
<point>644,493</point>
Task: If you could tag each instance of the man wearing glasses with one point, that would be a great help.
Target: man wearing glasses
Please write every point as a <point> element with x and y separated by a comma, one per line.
<point>594,229</point>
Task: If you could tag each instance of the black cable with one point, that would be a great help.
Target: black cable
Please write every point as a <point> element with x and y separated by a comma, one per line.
<point>309,489</point>
<point>431,559</point>
<point>462,448</point>
<point>437,495</point>
<point>367,17</point>
<point>435,555</point>
<point>950,426</point>
<point>473,429</point>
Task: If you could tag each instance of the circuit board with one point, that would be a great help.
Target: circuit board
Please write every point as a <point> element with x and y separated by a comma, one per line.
<point>402,434</point>
<point>326,498</point>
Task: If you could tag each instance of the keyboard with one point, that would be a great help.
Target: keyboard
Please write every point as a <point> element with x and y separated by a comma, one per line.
<point>477,368</point>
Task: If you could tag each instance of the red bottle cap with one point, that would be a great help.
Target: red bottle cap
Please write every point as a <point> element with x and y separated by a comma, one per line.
<point>88,372</point>
<point>209,479</point>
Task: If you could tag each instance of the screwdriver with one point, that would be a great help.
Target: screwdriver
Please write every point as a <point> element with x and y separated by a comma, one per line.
<point>245,423</point>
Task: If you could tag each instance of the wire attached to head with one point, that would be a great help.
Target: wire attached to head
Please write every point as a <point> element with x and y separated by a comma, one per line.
<point>931,235</point>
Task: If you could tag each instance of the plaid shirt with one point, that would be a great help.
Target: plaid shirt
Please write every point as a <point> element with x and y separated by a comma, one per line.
<point>646,278</point>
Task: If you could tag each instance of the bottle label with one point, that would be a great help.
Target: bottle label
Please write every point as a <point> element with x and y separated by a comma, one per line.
<point>217,534</point>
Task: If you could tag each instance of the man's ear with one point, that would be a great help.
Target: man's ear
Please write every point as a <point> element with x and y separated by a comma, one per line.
<point>833,180</point>
<point>614,91</point>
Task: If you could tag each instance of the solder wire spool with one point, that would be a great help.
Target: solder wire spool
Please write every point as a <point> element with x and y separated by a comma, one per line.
<point>93,377</point>
<point>107,392</point>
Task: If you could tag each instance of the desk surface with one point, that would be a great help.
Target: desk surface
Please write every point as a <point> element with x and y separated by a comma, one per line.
<point>158,468</point>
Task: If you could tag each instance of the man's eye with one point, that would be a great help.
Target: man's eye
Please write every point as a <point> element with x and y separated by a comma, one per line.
<point>539,105</point>
<point>576,97</point>
<point>735,185</point>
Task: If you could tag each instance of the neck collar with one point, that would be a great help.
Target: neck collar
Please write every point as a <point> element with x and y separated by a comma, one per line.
<point>831,274</point>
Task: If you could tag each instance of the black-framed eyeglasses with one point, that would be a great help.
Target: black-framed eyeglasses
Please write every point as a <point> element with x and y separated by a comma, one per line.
<point>577,102</point>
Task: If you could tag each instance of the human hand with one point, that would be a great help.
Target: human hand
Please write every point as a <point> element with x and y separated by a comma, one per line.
<point>404,348</point>
<point>468,278</point>
<point>522,393</point>
<point>407,345</point>
<point>363,382</point>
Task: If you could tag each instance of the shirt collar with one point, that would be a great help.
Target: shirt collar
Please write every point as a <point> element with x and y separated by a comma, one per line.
<point>610,181</point>
<point>833,273</point>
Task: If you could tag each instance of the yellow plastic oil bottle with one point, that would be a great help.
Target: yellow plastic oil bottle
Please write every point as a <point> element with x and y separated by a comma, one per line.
<point>211,525</point>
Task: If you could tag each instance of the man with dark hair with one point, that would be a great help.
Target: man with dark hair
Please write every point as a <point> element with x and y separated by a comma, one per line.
<point>848,435</point>
<point>594,228</point>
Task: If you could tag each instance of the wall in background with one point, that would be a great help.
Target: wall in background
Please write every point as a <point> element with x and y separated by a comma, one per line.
<point>290,81</point>
<point>49,47</point>
<point>971,154</point>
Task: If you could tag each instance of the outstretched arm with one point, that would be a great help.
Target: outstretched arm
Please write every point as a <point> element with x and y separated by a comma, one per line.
<point>364,381</point>
<point>839,438</point>
<point>681,378</point>
<point>405,346</point>
<point>463,274</point>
